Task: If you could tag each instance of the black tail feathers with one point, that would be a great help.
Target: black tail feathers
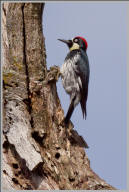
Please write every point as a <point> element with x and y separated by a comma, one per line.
<point>71,109</point>
<point>83,107</point>
<point>69,113</point>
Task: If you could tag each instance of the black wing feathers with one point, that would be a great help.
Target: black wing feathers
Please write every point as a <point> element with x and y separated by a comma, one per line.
<point>84,95</point>
<point>83,72</point>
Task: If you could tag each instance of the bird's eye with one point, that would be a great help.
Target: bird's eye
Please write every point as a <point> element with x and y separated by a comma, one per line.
<point>76,40</point>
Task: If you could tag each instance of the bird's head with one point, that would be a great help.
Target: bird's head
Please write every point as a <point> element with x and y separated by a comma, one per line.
<point>76,43</point>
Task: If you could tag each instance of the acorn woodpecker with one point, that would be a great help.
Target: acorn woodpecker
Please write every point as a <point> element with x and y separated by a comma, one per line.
<point>75,74</point>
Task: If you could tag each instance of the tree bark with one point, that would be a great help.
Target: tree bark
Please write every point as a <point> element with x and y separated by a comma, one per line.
<point>39,152</point>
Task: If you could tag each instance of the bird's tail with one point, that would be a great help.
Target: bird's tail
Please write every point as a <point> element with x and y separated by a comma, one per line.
<point>83,107</point>
<point>83,101</point>
<point>70,111</point>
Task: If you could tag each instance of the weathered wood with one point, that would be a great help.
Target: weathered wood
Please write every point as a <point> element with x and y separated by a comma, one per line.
<point>39,152</point>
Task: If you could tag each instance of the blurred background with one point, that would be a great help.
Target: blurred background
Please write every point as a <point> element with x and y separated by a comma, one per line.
<point>103,24</point>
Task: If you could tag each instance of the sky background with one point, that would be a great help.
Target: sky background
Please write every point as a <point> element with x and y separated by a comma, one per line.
<point>103,24</point>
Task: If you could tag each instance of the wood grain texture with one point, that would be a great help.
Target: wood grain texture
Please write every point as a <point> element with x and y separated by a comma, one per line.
<point>39,152</point>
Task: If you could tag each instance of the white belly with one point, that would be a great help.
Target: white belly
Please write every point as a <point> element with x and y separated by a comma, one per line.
<point>69,78</point>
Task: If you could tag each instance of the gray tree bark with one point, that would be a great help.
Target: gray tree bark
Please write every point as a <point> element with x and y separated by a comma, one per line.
<point>38,151</point>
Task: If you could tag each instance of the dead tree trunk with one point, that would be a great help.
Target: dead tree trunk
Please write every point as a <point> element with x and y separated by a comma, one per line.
<point>38,152</point>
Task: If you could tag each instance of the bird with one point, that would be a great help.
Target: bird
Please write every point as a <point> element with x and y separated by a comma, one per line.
<point>75,73</point>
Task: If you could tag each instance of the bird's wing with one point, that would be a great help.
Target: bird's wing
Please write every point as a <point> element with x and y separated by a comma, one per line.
<point>82,71</point>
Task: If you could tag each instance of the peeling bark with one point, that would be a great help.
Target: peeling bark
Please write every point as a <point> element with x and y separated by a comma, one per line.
<point>39,152</point>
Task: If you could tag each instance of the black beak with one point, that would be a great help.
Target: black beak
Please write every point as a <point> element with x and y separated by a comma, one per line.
<point>68,42</point>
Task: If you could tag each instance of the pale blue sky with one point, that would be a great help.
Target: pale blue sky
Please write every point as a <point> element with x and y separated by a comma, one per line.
<point>103,24</point>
